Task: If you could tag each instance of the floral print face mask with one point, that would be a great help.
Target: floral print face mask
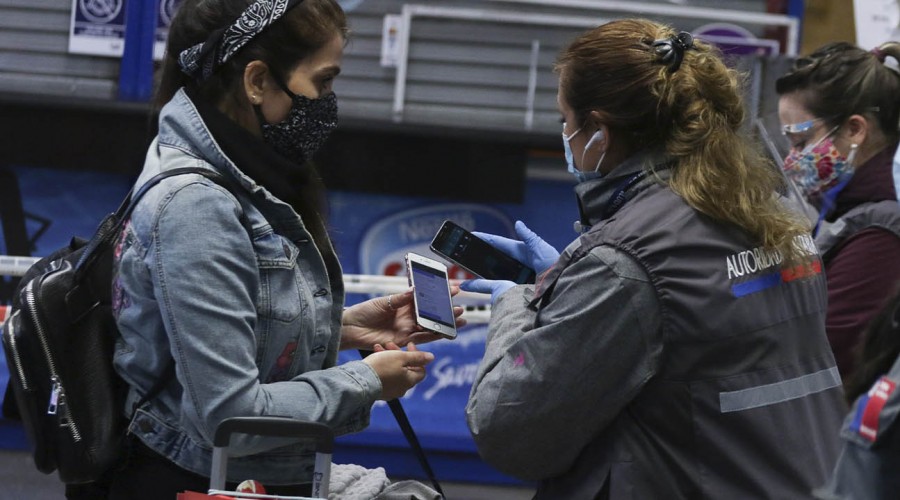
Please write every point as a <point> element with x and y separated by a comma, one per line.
<point>818,167</point>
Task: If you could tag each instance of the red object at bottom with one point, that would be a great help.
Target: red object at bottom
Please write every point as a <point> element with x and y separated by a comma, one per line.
<point>194,495</point>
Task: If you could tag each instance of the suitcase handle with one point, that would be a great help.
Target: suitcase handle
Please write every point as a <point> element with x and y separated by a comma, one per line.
<point>274,427</point>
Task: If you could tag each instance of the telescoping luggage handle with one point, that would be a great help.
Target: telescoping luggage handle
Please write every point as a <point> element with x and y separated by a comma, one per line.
<point>274,427</point>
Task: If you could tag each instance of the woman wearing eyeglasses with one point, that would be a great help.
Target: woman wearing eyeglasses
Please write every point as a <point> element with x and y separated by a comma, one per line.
<point>839,108</point>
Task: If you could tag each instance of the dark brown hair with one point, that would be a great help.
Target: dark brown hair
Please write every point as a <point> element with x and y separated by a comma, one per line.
<point>304,29</point>
<point>840,79</point>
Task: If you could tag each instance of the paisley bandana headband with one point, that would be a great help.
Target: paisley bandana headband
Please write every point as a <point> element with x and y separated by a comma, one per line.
<point>201,60</point>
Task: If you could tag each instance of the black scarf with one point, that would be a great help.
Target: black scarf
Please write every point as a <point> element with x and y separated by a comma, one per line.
<point>297,185</point>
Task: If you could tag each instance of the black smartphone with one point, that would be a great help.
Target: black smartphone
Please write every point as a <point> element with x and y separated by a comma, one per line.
<point>477,256</point>
<point>433,305</point>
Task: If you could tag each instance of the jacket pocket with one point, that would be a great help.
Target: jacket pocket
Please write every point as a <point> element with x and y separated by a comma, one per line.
<point>280,296</point>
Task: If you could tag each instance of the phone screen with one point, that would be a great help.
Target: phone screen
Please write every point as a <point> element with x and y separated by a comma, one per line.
<point>432,296</point>
<point>479,257</point>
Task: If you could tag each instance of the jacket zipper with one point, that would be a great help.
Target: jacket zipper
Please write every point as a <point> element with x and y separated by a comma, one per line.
<point>11,335</point>
<point>57,404</point>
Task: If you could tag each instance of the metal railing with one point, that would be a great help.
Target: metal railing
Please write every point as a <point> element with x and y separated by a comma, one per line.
<point>477,305</point>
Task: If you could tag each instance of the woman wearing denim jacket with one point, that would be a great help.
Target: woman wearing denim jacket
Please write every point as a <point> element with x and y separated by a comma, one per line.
<point>239,289</point>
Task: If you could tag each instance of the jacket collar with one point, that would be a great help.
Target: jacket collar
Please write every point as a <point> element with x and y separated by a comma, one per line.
<point>181,126</point>
<point>200,129</point>
<point>595,196</point>
<point>872,181</point>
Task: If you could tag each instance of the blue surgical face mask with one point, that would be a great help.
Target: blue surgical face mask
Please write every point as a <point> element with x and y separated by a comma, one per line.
<point>570,158</point>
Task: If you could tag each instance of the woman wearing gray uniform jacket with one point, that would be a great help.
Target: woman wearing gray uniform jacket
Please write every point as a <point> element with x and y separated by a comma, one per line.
<point>677,348</point>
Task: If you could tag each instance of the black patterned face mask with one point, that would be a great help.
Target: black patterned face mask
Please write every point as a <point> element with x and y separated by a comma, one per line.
<point>306,128</point>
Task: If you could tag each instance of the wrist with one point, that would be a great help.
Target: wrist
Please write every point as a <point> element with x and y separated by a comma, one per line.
<point>348,339</point>
<point>347,318</point>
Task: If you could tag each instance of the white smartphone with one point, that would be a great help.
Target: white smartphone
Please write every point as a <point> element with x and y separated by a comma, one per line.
<point>434,309</point>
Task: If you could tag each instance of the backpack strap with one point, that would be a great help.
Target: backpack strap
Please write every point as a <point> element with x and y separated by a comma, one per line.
<point>410,434</point>
<point>124,212</point>
<point>127,206</point>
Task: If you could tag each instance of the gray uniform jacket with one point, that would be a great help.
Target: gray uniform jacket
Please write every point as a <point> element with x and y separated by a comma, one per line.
<point>664,356</point>
<point>882,214</point>
<point>869,464</point>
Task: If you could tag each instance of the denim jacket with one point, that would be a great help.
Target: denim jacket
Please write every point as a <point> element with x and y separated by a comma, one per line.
<point>251,317</point>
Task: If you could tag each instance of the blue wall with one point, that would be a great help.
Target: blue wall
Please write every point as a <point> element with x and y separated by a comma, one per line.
<point>371,234</point>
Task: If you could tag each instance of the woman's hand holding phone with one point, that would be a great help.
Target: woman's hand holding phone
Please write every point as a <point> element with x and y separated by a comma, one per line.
<point>388,319</point>
<point>530,249</point>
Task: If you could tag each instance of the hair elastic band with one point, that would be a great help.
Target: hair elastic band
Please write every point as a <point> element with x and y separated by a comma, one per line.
<point>671,50</point>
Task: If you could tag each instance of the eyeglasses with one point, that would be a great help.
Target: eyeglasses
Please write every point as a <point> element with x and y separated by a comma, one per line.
<point>799,128</point>
<point>799,133</point>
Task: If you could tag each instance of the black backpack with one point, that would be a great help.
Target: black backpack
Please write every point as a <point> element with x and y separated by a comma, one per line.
<point>59,341</point>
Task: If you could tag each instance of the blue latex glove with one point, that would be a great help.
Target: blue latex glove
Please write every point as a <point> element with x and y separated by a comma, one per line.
<point>531,250</point>
<point>493,287</point>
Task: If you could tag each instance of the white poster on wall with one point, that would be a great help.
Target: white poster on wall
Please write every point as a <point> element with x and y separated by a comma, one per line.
<point>877,21</point>
<point>98,27</point>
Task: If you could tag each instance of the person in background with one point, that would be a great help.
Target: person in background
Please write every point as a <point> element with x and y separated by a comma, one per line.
<point>238,292</point>
<point>878,349</point>
<point>676,348</point>
<point>839,108</point>
<point>868,464</point>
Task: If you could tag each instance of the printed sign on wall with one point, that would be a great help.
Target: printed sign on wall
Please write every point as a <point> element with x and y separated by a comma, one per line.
<point>98,27</point>
<point>877,21</point>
